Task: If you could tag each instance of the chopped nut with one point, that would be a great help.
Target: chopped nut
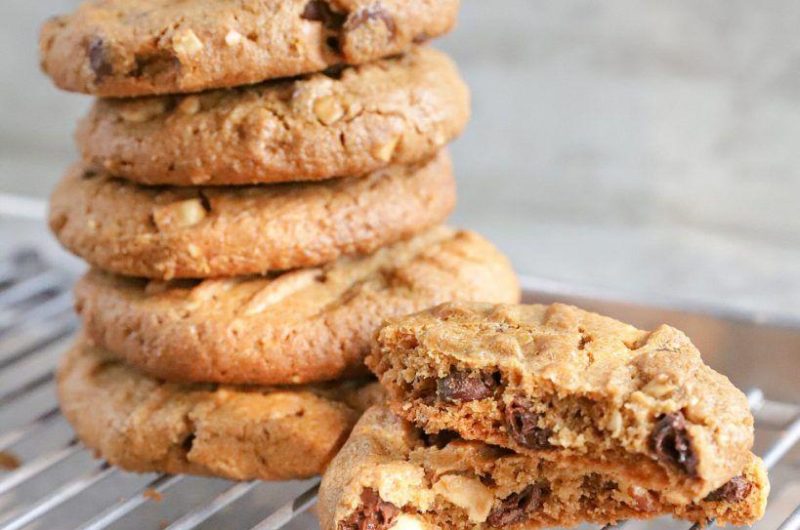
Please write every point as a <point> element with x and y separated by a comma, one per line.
<point>189,105</point>
<point>186,42</point>
<point>182,214</point>
<point>659,386</point>
<point>280,288</point>
<point>142,110</point>
<point>385,150</point>
<point>405,521</point>
<point>328,110</point>
<point>615,423</point>
<point>233,37</point>
<point>467,493</point>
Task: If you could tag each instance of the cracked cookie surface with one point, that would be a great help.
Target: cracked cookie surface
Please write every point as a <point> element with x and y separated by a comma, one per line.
<point>298,326</point>
<point>118,48</point>
<point>142,424</point>
<point>197,232</point>
<point>539,379</point>
<point>349,122</point>
<point>390,475</point>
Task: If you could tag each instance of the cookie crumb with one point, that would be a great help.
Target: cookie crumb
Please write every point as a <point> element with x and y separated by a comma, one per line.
<point>153,495</point>
<point>9,461</point>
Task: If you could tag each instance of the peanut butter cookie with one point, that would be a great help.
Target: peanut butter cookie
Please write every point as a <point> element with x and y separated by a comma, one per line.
<point>201,232</point>
<point>119,48</point>
<point>299,326</point>
<point>540,379</point>
<point>391,476</point>
<point>143,424</point>
<point>349,122</point>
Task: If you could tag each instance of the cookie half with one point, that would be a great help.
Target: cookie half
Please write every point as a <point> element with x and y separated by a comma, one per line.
<point>295,327</point>
<point>199,232</point>
<point>242,433</point>
<point>357,120</point>
<point>539,379</point>
<point>118,48</point>
<point>391,476</point>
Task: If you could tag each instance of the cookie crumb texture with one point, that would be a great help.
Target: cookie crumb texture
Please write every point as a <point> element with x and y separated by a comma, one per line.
<point>392,476</point>
<point>118,48</point>
<point>142,424</point>
<point>294,327</point>
<point>167,233</point>
<point>348,121</point>
<point>540,379</point>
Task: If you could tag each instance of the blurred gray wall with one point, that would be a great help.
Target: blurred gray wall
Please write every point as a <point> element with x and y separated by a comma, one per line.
<point>648,146</point>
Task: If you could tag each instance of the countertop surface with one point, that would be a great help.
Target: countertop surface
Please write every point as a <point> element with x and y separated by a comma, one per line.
<point>643,147</point>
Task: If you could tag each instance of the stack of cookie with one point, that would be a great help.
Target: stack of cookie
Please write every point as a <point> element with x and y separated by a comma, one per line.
<point>262,183</point>
<point>538,416</point>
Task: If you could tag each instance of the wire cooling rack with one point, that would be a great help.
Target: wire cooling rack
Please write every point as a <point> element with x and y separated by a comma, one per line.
<point>49,481</point>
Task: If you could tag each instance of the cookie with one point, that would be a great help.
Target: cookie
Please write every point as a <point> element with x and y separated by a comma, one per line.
<point>118,48</point>
<point>295,327</point>
<point>242,433</point>
<point>351,122</point>
<point>200,232</point>
<point>389,475</point>
<point>539,379</point>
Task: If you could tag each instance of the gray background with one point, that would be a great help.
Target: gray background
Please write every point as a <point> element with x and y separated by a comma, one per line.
<point>642,146</point>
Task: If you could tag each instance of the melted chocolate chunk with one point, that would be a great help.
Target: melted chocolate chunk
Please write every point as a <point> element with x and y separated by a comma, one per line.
<point>373,514</point>
<point>523,426</point>
<point>320,11</point>
<point>735,490</point>
<point>466,386</point>
<point>374,12</point>
<point>97,59</point>
<point>671,443</point>
<point>517,507</point>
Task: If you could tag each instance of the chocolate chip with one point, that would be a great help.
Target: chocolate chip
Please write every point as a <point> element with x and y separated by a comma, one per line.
<point>372,12</point>
<point>97,59</point>
<point>517,507</point>
<point>320,11</point>
<point>671,443</point>
<point>465,386</point>
<point>373,514</point>
<point>735,490</point>
<point>523,426</point>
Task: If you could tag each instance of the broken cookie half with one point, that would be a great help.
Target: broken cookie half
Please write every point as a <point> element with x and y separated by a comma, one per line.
<point>557,381</point>
<point>390,475</point>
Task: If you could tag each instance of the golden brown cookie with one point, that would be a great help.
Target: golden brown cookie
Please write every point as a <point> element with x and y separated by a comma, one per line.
<point>143,424</point>
<point>119,48</point>
<point>539,379</point>
<point>295,327</point>
<point>360,119</point>
<point>391,476</point>
<point>200,232</point>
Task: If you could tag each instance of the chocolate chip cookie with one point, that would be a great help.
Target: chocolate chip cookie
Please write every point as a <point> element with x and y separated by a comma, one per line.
<point>540,379</point>
<point>198,232</point>
<point>391,476</point>
<point>349,122</point>
<point>118,48</point>
<point>143,424</point>
<point>298,326</point>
